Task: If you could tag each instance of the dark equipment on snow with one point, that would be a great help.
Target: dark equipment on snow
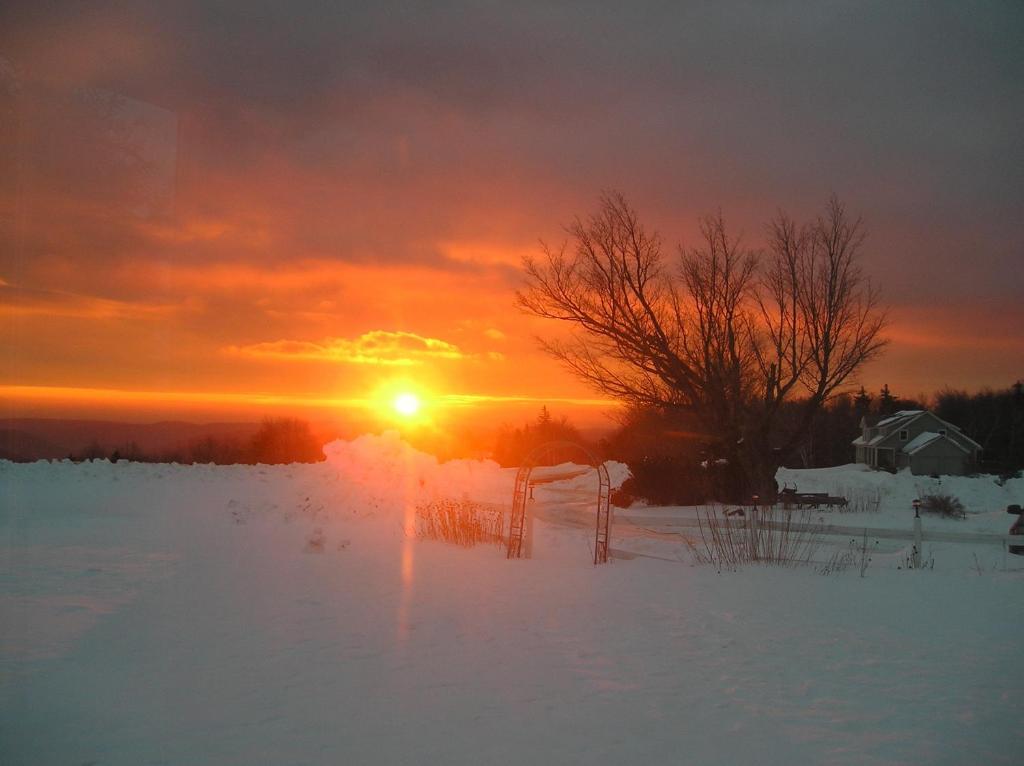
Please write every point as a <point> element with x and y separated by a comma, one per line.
<point>1017,528</point>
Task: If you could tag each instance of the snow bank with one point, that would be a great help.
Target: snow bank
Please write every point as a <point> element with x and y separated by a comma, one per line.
<point>386,469</point>
<point>979,494</point>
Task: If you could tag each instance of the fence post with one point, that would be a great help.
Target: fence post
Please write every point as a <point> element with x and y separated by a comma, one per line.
<point>917,534</point>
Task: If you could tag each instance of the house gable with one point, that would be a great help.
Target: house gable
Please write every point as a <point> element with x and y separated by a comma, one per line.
<point>925,440</point>
<point>919,422</point>
<point>909,437</point>
<point>914,422</point>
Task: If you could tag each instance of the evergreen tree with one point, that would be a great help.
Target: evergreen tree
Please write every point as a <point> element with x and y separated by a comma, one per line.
<point>862,403</point>
<point>544,418</point>
<point>886,401</point>
<point>513,445</point>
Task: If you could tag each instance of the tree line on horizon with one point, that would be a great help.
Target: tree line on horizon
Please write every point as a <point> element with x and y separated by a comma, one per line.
<point>671,459</point>
<point>276,441</point>
<point>674,462</point>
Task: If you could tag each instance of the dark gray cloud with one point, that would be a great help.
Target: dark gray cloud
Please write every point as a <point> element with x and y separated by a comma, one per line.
<point>375,130</point>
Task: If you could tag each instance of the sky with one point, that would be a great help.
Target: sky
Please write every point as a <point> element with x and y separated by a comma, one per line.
<point>223,209</point>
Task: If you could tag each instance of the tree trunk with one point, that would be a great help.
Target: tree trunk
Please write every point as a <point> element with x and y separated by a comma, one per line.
<point>758,465</point>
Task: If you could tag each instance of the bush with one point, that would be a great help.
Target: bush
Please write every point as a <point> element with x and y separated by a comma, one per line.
<point>946,506</point>
<point>759,537</point>
<point>669,480</point>
<point>1007,476</point>
<point>624,496</point>
<point>672,463</point>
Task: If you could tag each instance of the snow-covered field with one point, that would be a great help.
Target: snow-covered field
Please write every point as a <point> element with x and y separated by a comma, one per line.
<point>154,614</point>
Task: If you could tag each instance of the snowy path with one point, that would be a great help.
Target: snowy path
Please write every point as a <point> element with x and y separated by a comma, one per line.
<point>172,615</point>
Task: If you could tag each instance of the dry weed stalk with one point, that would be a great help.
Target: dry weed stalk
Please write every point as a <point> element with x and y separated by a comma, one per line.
<point>860,500</point>
<point>462,522</point>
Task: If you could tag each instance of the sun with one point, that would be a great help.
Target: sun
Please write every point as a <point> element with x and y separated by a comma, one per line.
<point>403,402</point>
<point>406,404</point>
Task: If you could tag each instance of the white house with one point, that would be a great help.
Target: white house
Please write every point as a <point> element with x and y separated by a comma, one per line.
<point>917,439</point>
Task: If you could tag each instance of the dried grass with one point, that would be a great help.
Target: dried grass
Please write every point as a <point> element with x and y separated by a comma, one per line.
<point>855,553</point>
<point>860,500</point>
<point>461,522</point>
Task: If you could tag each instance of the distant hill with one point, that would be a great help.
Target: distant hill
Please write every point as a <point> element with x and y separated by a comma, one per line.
<point>45,439</point>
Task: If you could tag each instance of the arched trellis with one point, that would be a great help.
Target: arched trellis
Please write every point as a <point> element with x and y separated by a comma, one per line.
<point>521,493</point>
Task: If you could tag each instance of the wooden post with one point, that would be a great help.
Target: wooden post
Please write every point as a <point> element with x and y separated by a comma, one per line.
<point>917,534</point>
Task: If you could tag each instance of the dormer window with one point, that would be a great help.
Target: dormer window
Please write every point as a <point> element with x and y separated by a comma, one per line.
<point>904,434</point>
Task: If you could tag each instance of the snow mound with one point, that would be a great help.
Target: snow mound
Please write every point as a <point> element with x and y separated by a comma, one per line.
<point>388,468</point>
<point>980,494</point>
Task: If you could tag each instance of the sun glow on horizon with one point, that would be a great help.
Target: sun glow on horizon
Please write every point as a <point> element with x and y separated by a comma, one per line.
<point>407,404</point>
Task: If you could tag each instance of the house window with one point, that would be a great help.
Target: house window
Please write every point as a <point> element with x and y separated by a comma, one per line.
<point>904,435</point>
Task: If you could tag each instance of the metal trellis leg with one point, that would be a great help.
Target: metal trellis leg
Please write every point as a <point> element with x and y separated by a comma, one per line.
<point>518,520</point>
<point>604,516</point>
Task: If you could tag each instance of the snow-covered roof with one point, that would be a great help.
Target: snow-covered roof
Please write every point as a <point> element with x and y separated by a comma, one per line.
<point>860,441</point>
<point>920,441</point>
<point>898,416</point>
<point>925,438</point>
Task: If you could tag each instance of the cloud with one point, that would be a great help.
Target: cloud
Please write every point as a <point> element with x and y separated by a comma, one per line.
<point>380,347</point>
<point>309,170</point>
<point>19,301</point>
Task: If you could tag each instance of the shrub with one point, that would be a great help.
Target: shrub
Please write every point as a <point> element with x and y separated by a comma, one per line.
<point>946,506</point>
<point>761,537</point>
<point>623,497</point>
<point>669,480</point>
<point>671,461</point>
<point>1006,476</point>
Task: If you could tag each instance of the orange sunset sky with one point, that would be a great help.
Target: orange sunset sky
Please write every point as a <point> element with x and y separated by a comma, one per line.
<point>221,211</point>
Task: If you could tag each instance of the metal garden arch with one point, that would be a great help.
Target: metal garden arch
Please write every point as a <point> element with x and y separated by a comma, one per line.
<point>521,493</point>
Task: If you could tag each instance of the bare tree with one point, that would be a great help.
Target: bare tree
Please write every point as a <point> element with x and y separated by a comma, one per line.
<point>728,333</point>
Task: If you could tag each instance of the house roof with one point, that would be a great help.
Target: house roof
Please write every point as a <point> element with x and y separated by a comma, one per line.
<point>901,415</point>
<point>892,424</point>
<point>860,441</point>
<point>925,438</point>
